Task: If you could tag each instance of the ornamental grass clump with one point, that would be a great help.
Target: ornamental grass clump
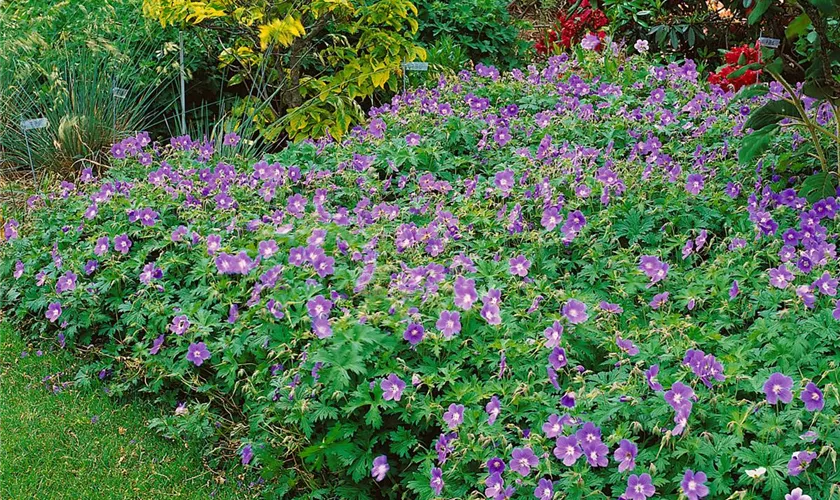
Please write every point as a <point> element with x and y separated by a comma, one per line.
<point>517,285</point>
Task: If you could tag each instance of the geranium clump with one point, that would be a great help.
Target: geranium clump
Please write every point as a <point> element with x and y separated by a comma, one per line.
<point>509,285</point>
<point>736,58</point>
<point>571,28</point>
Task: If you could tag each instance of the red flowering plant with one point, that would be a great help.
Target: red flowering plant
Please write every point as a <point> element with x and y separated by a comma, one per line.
<point>737,72</point>
<point>571,27</point>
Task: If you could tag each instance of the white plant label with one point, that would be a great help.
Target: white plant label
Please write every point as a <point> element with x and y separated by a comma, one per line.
<point>416,66</point>
<point>35,123</point>
<point>770,43</point>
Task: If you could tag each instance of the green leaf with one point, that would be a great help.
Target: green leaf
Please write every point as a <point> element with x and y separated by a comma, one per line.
<point>798,26</point>
<point>818,186</point>
<point>756,143</point>
<point>771,113</point>
<point>743,69</point>
<point>759,10</point>
<point>776,66</point>
<point>752,91</point>
<point>817,91</point>
<point>827,7</point>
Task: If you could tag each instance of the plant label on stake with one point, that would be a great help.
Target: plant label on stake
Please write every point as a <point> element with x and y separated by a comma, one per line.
<point>770,43</point>
<point>32,124</point>
<point>413,66</point>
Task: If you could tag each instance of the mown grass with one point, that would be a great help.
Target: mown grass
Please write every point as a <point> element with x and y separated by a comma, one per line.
<point>84,444</point>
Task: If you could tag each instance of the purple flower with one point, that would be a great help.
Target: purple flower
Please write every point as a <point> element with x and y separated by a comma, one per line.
<point>268,248</point>
<point>654,268</point>
<point>319,307</point>
<point>651,376</point>
<point>567,449</point>
<point>519,266</point>
<point>449,323</point>
<point>575,311</point>
<point>568,400</point>
<point>19,269</point>
<point>733,292</point>
<point>179,325</point>
<point>778,388</point>
<point>544,490</point>
<point>588,434</point>
<point>436,481</point>
<point>590,41</point>
<point>198,353</point>
<point>66,283</point>
<point>780,277</point>
<point>826,285</point>
<point>522,459</point>
<point>625,455</point>
<point>101,247</point>
<point>147,217</point>
<point>694,184</point>
<point>553,334</point>
<point>122,244</point>
<point>693,486</point>
<point>214,242</point>
<point>502,136</point>
<point>557,358</point>
<point>414,333</point>
<point>157,344</point>
<point>639,487</point>
<point>465,293</point>
<point>812,396</point>
<point>230,139</point>
<point>680,397</point>
<point>627,346</point>
<point>324,265</point>
<point>610,308</point>
<point>554,425</point>
<point>504,181</point>
<point>322,328</point>
<point>596,454</point>
<point>454,416</point>
<point>496,465</point>
<point>90,266</point>
<point>799,461</point>
<point>493,409</point>
<point>797,494</point>
<point>704,366</point>
<point>247,454</point>
<point>495,486</point>
<point>659,299</point>
<point>380,468</point>
<point>491,313</point>
<point>10,229</point>
<point>53,311</point>
<point>150,272</point>
<point>392,387</point>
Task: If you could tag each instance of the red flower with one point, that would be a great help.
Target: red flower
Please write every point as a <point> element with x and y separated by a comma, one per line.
<point>733,59</point>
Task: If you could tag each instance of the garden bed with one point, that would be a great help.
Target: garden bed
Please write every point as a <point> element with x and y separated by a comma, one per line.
<point>553,280</point>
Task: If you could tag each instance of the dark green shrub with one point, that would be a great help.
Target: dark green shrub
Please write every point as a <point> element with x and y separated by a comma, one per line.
<point>482,28</point>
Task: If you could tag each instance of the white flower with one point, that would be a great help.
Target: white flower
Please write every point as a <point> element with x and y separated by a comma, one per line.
<point>755,473</point>
<point>641,46</point>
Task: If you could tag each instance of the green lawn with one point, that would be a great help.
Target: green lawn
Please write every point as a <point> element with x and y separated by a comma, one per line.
<point>83,444</point>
